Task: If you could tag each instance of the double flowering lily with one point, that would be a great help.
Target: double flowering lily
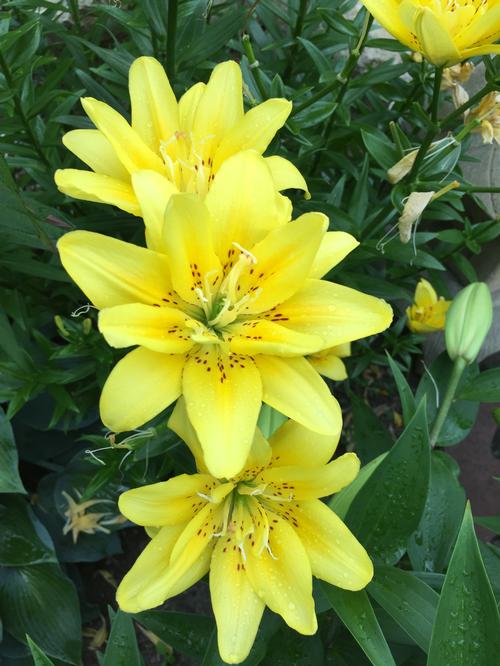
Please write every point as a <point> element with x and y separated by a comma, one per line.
<point>444,31</point>
<point>428,312</point>
<point>223,312</point>
<point>262,534</point>
<point>183,143</point>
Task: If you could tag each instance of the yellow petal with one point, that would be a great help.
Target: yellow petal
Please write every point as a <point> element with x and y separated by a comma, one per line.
<point>330,366</point>
<point>187,239</point>
<point>243,203</point>
<point>179,422</point>
<point>283,581</point>
<point>131,150</point>
<point>437,44</point>
<point>112,272</point>
<point>386,12</point>
<point>154,107</point>
<point>92,147</point>
<point>480,29</point>
<point>153,193</point>
<point>223,397</point>
<point>304,483</point>
<point>237,609</point>
<point>139,387</point>
<point>294,388</point>
<point>255,130</point>
<point>335,554</point>
<point>283,261</point>
<point>150,582</point>
<point>160,329</point>
<point>221,105</point>
<point>294,445</point>
<point>336,313</point>
<point>259,336</point>
<point>425,294</point>
<point>259,455</point>
<point>485,49</point>
<point>97,187</point>
<point>188,104</point>
<point>335,246</point>
<point>167,503</point>
<point>285,175</point>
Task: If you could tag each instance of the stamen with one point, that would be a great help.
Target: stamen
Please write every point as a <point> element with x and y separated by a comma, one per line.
<point>268,548</point>
<point>247,253</point>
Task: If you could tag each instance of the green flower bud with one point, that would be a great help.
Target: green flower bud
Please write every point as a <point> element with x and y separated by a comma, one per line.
<point>468,321</point>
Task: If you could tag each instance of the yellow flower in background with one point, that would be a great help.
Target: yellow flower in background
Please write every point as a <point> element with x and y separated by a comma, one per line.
<point>184,143</point>
<point>328,362</point>
<point>262,535</point>
<point>428,313</point>
<point>78,520</point>
<point>444,31</point>
<point>487,114</point>
<point>224,312</point>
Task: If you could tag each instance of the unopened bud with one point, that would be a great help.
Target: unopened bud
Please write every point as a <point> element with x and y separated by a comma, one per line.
<point>60,326</point>
<point>468,321</point>
<point>87,325</point>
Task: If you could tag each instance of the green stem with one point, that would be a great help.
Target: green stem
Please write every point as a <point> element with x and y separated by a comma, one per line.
<point>20,112</point>
<point>297,31</point>
<point>171,35</point>
<point>254,66</point>
<point>75,14</point>
<point>470,189</point>
<point>456,374</point>
<point>433,130</point>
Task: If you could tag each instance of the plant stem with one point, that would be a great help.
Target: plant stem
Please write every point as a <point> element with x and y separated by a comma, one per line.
<point>254,66</point>
<point>433,130</point>
<point>456,374</point>
<point>75,14</point>
<point>171,35</point>
<point>20,111</point>
<point>297,31</point>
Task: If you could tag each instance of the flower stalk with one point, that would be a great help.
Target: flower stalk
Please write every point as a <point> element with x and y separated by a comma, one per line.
<point>456,374</point>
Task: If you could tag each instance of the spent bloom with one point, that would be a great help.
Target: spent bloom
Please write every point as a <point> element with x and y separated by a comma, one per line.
<point>224,312</point>
<point>428,312</point>
<point>262,534</point>
<point>182,143</point>
<point>444,31</point>
<point>452,80</point>
<point>79,520</point>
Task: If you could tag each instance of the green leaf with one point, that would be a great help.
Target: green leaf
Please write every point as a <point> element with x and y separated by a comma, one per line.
<point>40,601</point>
<point>122,649</point>
<point>388,507</point>
<point>483,388</point>
<point>406,396</point>
<point>39,657</point>
<point>289,647</point>
<point>380,148</point>
<point>430,546</point>
<point>356,612</point>
<point>491,523</point>
<point>186,632</point>
<point>467,627</point>
<point>370,436</point>
<point>408,600</point>
<point>10,481</point>
<point>25,541</point>
<point>462,414</point>
<point>341,502</point>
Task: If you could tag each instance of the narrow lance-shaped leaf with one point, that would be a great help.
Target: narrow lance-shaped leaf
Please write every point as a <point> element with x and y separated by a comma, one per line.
<point>408,600</point>
<point>356,612</point>
<point>405,393</point>
<point>122,649</point>
<point>467,627</point>
<point>388,507</point>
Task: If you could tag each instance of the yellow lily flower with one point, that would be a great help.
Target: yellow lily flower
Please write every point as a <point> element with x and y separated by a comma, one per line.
<point>428,313</point>
<point>328,362</point>
<point>78,520</point>
<point>184,143</point>
<point>262,535</point>
<point>444,31</point>
<point>224,313</point>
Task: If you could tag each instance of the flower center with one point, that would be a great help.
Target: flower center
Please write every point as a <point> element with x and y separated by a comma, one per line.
<point>188,161</point>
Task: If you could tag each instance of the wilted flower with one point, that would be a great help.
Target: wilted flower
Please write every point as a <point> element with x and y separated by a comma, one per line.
<point>452,79</point>
<point>444,31</point>
<point>487,114</point>
<point>182,144</point>
<point>78,520</point>
<point>262,534</point>
<point>328,362</point>
<point>224,314</point>
<point>468,322</point>
<point>428,312</point>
